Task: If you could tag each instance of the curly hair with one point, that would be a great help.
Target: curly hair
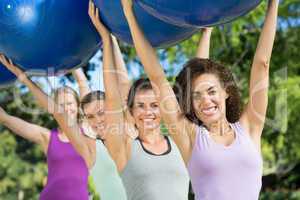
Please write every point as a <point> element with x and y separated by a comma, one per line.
<point>192,70</point>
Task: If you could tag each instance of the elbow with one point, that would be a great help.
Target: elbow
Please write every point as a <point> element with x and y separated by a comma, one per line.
<point>59,118</point>
<point>58,115</point>
<point>157,79</point>
<point>65,120</point>
<point>262,63</point>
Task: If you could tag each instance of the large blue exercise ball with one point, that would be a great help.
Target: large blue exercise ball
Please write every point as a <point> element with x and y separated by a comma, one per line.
<point>198,12</point>
<point>47,36</point>
<point>6,77</point>
<point>159,33</point>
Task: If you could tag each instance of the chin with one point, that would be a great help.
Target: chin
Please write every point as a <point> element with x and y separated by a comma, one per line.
<point>151,127</point>
<point>211,119</point>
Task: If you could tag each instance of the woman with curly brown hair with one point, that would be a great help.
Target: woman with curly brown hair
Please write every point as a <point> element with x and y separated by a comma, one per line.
<point>219,144</point>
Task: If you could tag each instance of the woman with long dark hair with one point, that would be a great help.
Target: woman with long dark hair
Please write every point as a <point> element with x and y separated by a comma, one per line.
<point>219,142</point>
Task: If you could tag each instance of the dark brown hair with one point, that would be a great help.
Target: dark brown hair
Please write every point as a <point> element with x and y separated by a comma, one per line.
<point>138,85</point>
<point>92,96</point>
<point>193,69</point>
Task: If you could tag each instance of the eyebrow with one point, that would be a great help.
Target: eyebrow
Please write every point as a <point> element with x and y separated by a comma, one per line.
<point>198,92</point>
<point>210,88</point>
<point>141,103</point>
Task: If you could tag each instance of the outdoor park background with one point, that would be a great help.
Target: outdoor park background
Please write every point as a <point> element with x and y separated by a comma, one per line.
<point>22,164</point>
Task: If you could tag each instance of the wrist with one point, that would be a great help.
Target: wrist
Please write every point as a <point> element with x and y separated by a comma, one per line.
<point>105,38</point>
<point>128,12</point>
<point>107,41</point>
<point>105,35</point>
<point>23,78</point>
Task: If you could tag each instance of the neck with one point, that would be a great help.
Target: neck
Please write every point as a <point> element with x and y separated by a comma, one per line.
<point>220,127</point>
<point>151,137</point>
<point>101,136</point>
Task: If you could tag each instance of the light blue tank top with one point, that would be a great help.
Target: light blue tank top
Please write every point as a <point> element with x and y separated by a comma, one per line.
<point>106,177</point>
<point>221,172</point>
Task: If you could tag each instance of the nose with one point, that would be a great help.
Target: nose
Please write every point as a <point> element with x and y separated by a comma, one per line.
<point>204,100</point>
<point>99,119</point>
<point>148,110</point>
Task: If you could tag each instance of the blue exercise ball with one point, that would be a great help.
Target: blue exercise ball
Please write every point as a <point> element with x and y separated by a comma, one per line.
<point>159,33</point>
<point>47,36</point>
<point>198,12</point>
<point>6,77</point>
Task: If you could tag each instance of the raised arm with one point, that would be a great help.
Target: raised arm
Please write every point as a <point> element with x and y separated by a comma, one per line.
<point>114,117</point>
<point>204,44</point>
<point>82,82</point>
<point>179,128</point>
<point>68,125</point>
<point>31,132</point>
<point>254,115</point>
<point>123,79</point>
<point>42,98</point>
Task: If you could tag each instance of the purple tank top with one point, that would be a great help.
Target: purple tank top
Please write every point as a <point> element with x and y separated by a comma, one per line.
<point>67,172</point>
<point>221,172</point>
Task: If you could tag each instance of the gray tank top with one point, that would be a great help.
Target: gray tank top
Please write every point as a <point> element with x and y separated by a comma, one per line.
<point>155,177</point>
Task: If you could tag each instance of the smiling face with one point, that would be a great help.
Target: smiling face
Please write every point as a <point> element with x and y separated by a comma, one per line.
<point>209,99</point>
<point>66,99</point>
<point>206,91</point>
<point>145,111</point>
<point>94,113</point>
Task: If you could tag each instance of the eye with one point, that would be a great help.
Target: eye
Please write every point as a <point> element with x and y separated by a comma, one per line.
<point>89,117</point>
<point>154,105</point>
<point>196,95</point>
<point>212,92</point>
<point>140,105</point>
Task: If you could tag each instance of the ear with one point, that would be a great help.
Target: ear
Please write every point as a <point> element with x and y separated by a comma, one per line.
<point>226,95</point>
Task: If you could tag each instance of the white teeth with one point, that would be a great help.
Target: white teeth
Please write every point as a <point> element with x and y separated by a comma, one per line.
<point>210,110</point>
<point>148,120</point>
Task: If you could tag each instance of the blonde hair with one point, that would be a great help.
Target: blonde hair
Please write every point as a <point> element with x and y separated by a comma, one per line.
<point>67,89</point>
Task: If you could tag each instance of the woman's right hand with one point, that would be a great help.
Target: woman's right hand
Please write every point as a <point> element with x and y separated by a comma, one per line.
<point>94,15</point>
<point>12,67</point>
<point>207,29</point>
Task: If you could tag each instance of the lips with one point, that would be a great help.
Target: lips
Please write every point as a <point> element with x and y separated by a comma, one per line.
<point>71,112</point>
<point>148,119</point>
<point>209,110</point>
<point>99,127</point>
